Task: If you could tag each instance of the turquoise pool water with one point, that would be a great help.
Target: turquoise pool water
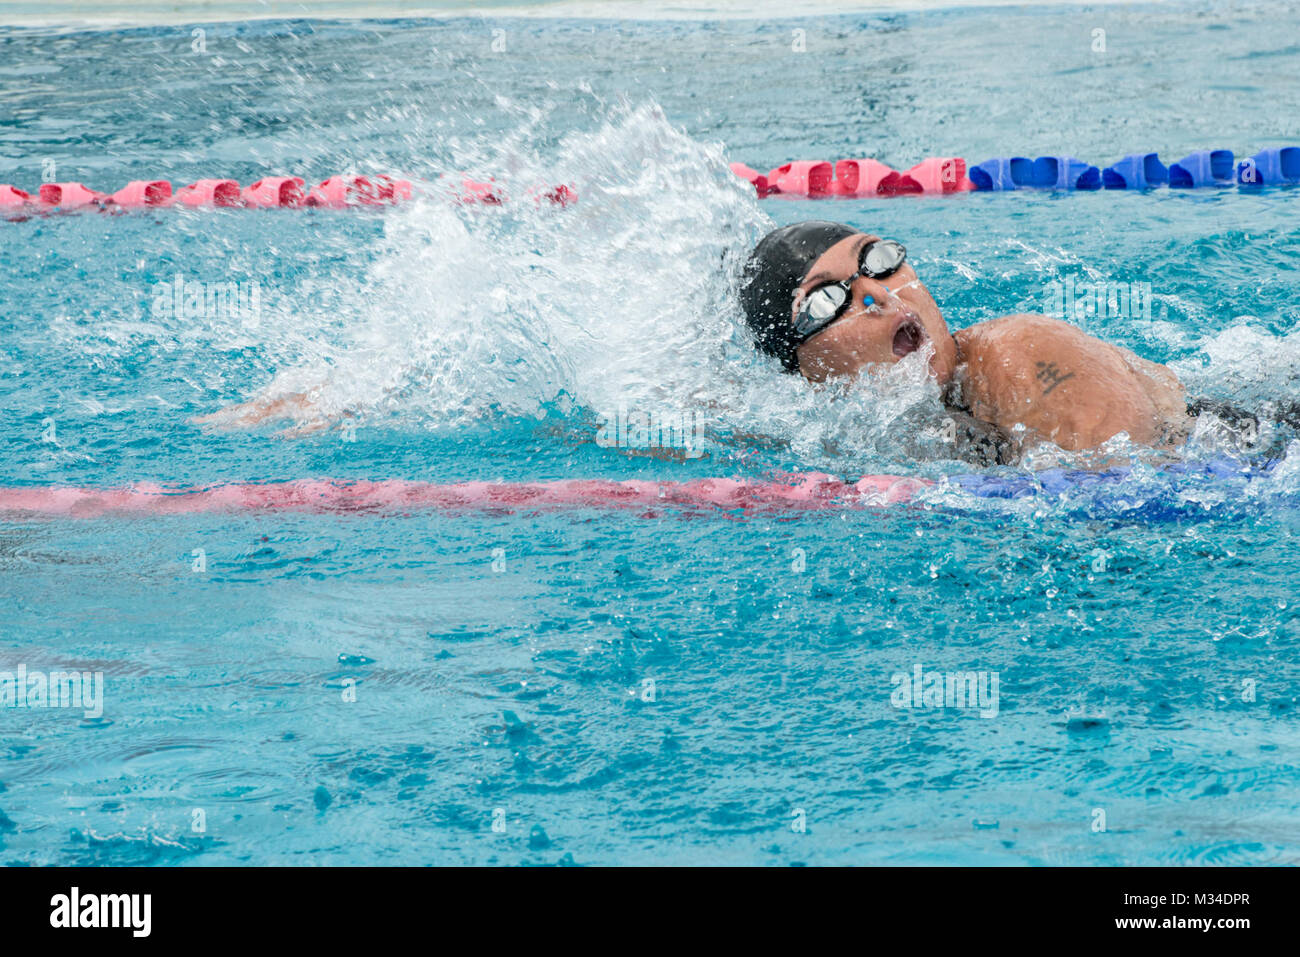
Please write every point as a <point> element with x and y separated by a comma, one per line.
<point>597,685</point>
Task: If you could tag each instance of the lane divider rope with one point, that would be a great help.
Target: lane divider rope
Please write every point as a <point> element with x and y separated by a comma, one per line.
<point>797,491</point>
<point>945,175</point>
<point>281,192</point>
<point>811,179</point>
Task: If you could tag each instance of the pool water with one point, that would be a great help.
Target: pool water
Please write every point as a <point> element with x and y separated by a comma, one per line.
<point>599,685</point>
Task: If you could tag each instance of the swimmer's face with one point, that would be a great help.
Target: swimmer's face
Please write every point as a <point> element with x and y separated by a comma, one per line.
<point>886,320</point>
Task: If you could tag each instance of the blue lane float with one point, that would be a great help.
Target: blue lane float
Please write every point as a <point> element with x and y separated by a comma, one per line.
<point>1140,171</point>
<point>1136,171</point>
<point>1065,172</point>
<point>1271,167</point>
<point>1096,489</point>
<point>1003,173</point>
<point>1202,168</point>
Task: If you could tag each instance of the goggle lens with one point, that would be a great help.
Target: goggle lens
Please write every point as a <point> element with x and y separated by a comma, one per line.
<point>823,303</point>
<point>881,258</point>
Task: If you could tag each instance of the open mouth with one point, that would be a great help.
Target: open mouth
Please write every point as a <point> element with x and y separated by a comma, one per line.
<point>907,339</point>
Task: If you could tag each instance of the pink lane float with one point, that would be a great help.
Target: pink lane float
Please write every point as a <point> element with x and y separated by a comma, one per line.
<point>807,492</point>
<point>271,192</point>
<point>857,178</point>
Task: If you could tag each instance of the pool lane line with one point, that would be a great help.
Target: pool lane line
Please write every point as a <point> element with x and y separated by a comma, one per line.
<point>808,491</point>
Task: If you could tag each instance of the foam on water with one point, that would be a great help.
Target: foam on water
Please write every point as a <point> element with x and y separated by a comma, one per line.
<point>1245,363</point>
<point>627,298</point>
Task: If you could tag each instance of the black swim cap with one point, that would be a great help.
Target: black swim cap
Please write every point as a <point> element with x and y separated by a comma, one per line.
<point>775,269</point>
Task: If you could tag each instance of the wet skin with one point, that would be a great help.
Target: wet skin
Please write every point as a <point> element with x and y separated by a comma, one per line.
<point>1060,383</point>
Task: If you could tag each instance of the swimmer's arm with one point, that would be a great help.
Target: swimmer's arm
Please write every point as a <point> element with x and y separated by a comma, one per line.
<point>304,412</point>
<point>1065,385</point>
<point>245,415</point>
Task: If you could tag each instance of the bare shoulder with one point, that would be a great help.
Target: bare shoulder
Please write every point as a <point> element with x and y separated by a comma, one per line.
<point>1022,331</point>
<point>1065,384</point>
<point>1032,354</point>
<point>1031,342</point>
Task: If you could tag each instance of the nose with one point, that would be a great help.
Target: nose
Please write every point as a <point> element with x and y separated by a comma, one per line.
<point>873,293</point>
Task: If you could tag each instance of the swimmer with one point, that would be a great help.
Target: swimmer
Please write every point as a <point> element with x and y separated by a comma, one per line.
<point>829,301</point>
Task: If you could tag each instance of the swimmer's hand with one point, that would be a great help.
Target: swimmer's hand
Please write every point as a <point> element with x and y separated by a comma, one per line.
<point>244,415</point>
<point>296,407</point>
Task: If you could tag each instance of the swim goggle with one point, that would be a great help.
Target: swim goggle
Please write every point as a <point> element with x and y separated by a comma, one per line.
<point>827,302</point>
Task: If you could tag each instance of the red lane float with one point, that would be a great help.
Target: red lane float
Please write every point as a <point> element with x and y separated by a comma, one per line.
<point>858,178</point>
<point>270,192</point>
<point>861,177</point>
<point>275,191</point>
<point>209,192</point>
<point>139,193</point>
<point>397,189</point>
<point>806,492</point>
<point>488,193</point>
<point>941,174</point>
<point>555,195</point>
<point>472,191</point>
<point>70,196</point>
<point>754,178</point>
<point>811,178</point>
<point>340,191</point>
